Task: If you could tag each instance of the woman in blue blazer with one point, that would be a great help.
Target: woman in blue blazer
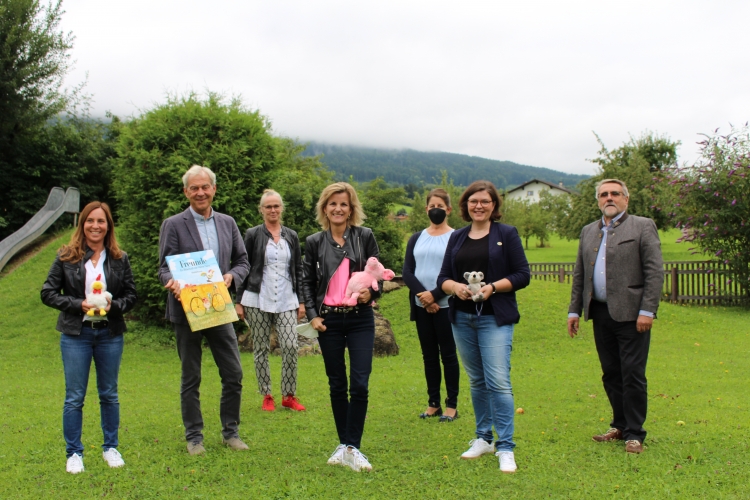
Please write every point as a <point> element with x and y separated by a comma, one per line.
<point>483,322</point>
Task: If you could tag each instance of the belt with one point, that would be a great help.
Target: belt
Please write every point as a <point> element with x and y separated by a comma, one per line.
<point>96,325</point>
<point>324,309</point>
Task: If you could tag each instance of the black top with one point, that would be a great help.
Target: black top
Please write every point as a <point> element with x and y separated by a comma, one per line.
<point>474,255</point>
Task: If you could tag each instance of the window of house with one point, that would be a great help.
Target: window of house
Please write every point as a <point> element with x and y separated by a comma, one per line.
<point>529,193</point>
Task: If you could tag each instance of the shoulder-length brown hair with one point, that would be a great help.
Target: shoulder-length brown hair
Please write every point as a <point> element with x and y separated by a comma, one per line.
<point>76,249</point>
<point>475,187</point>
<point>357,214</point>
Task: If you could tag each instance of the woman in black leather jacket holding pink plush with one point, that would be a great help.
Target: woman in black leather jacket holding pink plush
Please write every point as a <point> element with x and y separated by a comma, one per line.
<point>331,256</point>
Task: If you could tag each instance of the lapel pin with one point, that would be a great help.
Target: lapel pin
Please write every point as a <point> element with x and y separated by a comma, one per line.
<point>499,243</point>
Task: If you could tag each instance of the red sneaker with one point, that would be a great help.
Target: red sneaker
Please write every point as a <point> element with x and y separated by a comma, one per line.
<point>292,403</point>
<point>268,404</point>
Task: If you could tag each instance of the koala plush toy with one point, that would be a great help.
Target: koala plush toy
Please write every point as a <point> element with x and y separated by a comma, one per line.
<point>474,279</point>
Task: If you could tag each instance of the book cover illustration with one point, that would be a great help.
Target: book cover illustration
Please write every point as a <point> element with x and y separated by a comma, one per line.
<point>204,296</point>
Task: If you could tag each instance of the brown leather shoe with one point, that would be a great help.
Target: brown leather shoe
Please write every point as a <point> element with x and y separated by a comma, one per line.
<point>633,446</point>
<point>611,435</point>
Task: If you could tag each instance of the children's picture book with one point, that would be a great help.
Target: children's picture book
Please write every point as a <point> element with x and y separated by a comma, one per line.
<point>204,296</point>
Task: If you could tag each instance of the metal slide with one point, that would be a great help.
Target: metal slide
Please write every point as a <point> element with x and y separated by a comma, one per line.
<point>58,203</point>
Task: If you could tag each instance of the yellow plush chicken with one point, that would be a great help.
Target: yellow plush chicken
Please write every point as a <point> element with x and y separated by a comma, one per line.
<point>98,298</point>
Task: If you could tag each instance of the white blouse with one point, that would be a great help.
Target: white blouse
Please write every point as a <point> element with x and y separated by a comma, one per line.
<point>276,292</point>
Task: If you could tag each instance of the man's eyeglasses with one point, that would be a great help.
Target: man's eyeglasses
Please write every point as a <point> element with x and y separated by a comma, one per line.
<point>195,189</point>
<point>607,194</point>
<point>484,203</point>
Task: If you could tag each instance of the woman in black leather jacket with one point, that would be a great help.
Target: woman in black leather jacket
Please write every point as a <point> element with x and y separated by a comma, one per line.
<point>271,295</point>
<point>92,255</point>
<point>331,256</point>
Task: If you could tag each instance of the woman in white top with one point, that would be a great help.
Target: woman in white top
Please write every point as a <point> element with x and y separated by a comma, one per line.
<point>429,306</point>
<point>88,332</point>
<point>271,295</point>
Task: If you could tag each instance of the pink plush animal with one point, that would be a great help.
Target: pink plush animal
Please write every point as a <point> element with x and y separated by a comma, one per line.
<point>368,278</point>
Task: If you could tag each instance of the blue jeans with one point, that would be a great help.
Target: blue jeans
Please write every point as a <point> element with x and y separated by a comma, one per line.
<point>77,352</point>
<point>485,353</point>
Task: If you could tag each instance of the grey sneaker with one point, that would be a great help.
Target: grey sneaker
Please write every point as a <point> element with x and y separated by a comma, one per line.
<point>355,460</point>
<point>235,443</point>
<point>113,458</point>
<point>477,448</point>
<point>507,461</point>
<point>337,456</point>
<point>74,464</point>
<point>196,448</point>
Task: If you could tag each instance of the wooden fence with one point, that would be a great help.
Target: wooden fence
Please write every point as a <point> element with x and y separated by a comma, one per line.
<point>684,281</point>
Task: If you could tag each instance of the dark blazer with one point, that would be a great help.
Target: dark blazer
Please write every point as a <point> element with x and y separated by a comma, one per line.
<point>65,289</point>
<point>322,259</point>
<point>634,268</point>
<point>256,240</point>
<point>507,260</point>
<point>411,281</point>
<point>179,234</point>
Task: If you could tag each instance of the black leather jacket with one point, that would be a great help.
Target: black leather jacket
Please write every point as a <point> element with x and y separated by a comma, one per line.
<point>323,256</point>
<point>65,288</point>
<point>256,240</point>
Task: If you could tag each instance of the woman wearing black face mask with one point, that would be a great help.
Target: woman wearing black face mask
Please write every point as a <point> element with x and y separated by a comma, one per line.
<point>429,306</point>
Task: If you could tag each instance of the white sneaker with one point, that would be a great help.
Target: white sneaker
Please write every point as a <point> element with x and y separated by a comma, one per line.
<point>113,458</point>
<point>507,461</point>
<point>354,459</point>
<point>478,448</point>
<point>75,464</point>
<point>337,456</point>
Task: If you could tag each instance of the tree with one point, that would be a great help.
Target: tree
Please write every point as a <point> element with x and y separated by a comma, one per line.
<point>530,219</point>
<point>34,59</point>
<point>377,201</point>
<point>642,163</point>
<point>299,180</point>
<point>40,149</point>
<point>713,207</point>
<point>155,149</point>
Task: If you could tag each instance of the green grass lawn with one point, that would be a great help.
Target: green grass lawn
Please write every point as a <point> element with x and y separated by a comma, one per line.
<point>561,250</point>
<point>698,372</point>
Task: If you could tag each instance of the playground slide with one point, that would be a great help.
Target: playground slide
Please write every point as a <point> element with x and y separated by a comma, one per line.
<point>58,203</point>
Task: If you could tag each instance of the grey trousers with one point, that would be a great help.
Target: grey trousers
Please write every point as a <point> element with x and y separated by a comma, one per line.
<point>223,343</point>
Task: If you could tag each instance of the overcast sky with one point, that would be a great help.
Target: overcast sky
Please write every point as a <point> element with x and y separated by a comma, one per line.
<point>526,81</point>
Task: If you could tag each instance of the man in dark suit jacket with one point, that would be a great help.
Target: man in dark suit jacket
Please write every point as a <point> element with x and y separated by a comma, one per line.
<point>617,282</point>
<point>202,228</point>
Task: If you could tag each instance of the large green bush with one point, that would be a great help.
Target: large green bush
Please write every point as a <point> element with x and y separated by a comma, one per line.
<point>154,151</point>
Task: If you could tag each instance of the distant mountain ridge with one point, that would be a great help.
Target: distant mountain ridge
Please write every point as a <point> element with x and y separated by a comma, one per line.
<point>408,166</point>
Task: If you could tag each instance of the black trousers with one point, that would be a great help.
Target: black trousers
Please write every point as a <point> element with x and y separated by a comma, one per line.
<point>223,343</point>
<point>623,353</point>
<point>436,338</point>
<point>354,331</point>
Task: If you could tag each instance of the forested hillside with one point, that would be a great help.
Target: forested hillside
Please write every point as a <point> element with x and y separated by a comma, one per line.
<point>406,166</point>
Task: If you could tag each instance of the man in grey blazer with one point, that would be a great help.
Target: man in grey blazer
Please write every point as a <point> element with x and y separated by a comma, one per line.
<point>617,282</point>
<point>202,228</point>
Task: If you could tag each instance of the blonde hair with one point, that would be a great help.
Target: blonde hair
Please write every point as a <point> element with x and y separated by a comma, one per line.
<point>266,194</point>
<point>357,215</point>
<point>76,249</point>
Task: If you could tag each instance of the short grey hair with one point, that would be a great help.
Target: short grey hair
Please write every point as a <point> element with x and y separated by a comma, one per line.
<point>611,181</point>
<point>266,194</point>
<point>197,170</point>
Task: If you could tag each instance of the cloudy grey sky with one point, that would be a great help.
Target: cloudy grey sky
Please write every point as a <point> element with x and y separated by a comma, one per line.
<point>522,81</point>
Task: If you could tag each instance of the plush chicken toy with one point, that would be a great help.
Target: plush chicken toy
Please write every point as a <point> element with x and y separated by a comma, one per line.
<point>98,297</point>
<point>368,278</point>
